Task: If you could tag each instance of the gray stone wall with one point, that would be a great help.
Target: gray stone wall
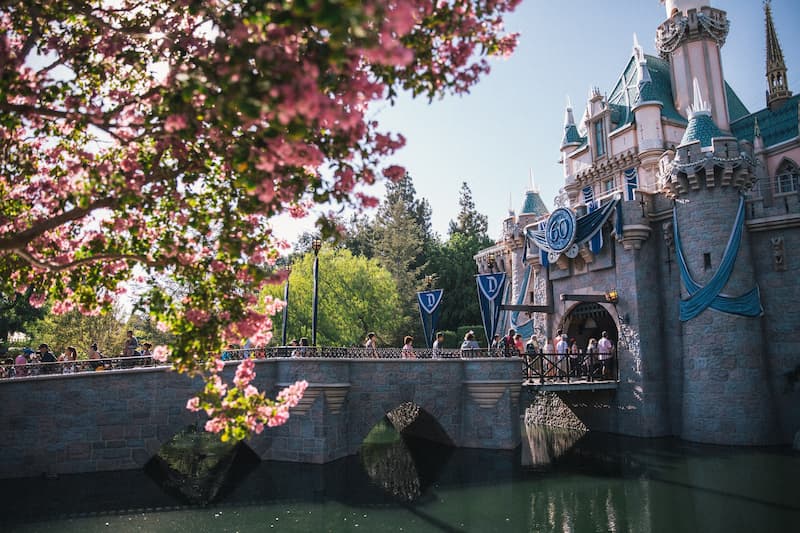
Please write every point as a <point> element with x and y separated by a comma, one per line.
<point>724,362</point>
<point>119,420</point>
<point>780,296</point>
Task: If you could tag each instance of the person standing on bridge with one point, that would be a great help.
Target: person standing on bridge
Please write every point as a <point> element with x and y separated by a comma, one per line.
<point>131,344</point>
<point>371,344</point>
<point>509,346</point>
<point>606,349</point>
<point>408,349</point>
<point>438,346</point>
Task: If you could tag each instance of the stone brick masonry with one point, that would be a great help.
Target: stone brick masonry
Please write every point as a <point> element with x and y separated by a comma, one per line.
<point>118,420</point>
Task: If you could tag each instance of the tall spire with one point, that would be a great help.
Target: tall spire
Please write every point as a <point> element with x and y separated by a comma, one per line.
<point>777,84</point>
<point>571,136</point>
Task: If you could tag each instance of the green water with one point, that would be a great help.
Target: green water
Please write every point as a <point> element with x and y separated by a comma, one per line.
<point>569,483</point>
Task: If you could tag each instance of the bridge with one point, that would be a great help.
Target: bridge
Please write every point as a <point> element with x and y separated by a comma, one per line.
<point>115,420</point>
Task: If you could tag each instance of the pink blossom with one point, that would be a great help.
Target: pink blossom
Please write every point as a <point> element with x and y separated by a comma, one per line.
<point>292,394</point>
<point>245,373</point>
<point>161,353</point>
<point>279,416</point>
<point>216,424</point>
<point>193,404</point>
<point>175,123</point>
<point>197,317</point>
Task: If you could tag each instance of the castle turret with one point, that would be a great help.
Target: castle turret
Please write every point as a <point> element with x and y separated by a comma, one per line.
<point>777,83</point>
<point>691,40</point>
<point>647,110</point>
<point>722,340</point>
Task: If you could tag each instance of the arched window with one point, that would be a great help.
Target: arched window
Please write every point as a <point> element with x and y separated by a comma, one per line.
<point>787,179</point>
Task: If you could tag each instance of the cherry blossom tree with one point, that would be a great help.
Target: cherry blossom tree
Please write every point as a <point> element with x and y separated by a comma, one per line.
<point>153,140</point>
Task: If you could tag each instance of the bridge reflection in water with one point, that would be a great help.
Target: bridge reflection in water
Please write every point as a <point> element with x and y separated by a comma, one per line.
<point>601,483</point>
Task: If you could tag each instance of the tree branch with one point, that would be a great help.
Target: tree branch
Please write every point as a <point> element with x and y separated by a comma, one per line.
<point>18,241</point>
<point>55,267</point>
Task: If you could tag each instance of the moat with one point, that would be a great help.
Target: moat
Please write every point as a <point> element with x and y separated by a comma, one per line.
<point>570,482</point>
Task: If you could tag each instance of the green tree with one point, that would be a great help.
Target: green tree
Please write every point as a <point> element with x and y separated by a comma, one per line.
<point>455,267</point>
<point>356,296</point>
<point>79,330</point>
<point>16,314</point>
<point>469,221</point>
<point>402,239</point>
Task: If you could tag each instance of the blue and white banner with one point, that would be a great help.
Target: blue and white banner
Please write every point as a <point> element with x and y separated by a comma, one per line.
<point>543,257</point>
<point>588,194</point>
<point>490,297</point>
<point>429,312</point>
<point>596,242</point>
<point>631,183</point>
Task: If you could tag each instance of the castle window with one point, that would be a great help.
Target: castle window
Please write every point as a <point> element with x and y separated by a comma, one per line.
<point>608,185</point>
<point>788,177</point>
<point>599,138</point>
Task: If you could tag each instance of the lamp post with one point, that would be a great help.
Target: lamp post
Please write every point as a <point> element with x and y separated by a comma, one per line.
<point>286,305</point>
<point>316,244</point>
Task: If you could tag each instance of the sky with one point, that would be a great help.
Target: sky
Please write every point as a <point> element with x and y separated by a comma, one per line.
<point>510,125</point>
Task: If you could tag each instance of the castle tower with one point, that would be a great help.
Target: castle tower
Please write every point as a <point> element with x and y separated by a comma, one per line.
<point>648,111</point>
<point>723,351</point>
<point>691,40</point>
<point>777,83</point>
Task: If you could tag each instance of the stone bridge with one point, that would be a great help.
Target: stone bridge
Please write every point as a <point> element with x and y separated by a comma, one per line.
<point>118,420</point>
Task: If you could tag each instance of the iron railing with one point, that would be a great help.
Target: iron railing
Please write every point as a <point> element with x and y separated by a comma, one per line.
<point>544,367</point>
<point>535,367</point>
<point>38,368</point>
<point>356,353</point>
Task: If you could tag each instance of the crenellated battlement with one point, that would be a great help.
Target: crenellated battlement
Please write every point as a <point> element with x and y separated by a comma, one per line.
<point>704,23</point>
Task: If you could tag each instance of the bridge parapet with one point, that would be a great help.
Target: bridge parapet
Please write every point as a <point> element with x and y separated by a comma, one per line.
<point>88,422</point>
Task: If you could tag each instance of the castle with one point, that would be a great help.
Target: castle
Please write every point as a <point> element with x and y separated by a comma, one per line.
<point>676,230</point>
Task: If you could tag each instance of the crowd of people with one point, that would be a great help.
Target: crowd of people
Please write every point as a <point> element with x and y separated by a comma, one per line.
<point>43,361</point>
<point>562,357</point>
<point>559,358</point>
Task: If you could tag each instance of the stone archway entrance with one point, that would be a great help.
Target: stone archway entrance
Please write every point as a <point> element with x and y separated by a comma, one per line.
<point>589,320</point>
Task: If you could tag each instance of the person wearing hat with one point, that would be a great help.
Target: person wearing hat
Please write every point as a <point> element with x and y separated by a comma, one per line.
<point>48,358</point>
<point>21,361</point>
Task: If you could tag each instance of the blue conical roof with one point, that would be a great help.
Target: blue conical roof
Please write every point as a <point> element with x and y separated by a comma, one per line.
<point>701,128</point>
<point>533,205</point>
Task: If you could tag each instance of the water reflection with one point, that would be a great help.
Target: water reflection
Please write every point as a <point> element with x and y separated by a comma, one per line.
<point>545,444</point>
<point>391,461</point>
<point>600,483</point>
<point>197,465</point>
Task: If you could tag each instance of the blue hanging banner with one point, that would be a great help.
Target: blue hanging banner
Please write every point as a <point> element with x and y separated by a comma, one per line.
<point>631,183</point>
<point>596,242</point>
<point>429,312</point>
<point>710,295</point>
<point>490,297</point>
<point>588,194</point>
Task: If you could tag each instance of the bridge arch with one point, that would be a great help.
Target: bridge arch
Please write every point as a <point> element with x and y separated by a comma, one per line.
<point>586,320</point>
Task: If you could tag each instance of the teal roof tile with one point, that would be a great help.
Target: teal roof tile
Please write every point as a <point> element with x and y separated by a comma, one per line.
<point>627,92</point>
<point>534,205</point>
<point>736,109</point>
<point>701,128</point>
<point>776,126</point>
<point>571,136</point>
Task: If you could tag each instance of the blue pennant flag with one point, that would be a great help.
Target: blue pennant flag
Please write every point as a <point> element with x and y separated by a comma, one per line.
<point>490,297</point>
<point>631,183</point>
<point>429,312</point>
